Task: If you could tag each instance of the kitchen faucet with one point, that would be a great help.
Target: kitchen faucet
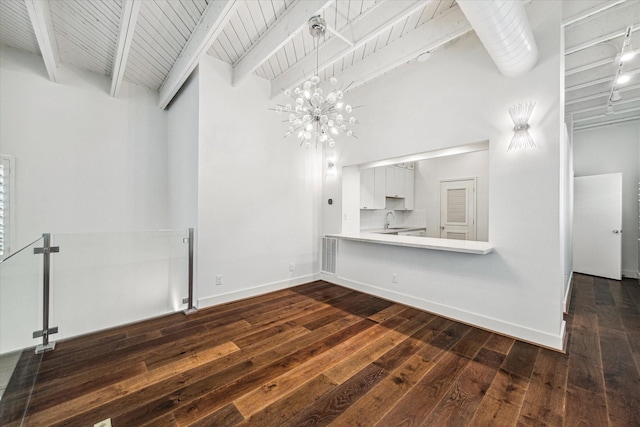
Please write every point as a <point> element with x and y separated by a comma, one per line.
<point>386,219</point>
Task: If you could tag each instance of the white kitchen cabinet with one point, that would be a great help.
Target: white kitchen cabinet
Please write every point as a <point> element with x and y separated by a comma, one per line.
<point>409,189</point>
<point>394,182</point>
<point>372,188</point>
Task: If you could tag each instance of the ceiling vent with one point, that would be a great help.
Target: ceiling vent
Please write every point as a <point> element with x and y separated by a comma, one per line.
<point>503,28</point>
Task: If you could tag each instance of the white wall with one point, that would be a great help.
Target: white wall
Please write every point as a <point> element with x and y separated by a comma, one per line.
<point>84,161</point>
<point>182,146</point>
<point>86,164</point>
<point>430,172</point>
<point>459,97</point>
<point>615,149</point>
<point>258,195</point>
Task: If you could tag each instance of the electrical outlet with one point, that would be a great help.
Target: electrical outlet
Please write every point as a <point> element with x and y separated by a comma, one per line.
<point>394,278</point>
<point>292,266</point>
<point>219,279</point>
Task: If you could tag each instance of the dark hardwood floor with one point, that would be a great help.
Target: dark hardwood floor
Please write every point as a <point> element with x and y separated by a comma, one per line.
<point>321,354</point>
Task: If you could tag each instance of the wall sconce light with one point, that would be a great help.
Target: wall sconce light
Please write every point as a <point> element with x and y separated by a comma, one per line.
<point>520,114</point>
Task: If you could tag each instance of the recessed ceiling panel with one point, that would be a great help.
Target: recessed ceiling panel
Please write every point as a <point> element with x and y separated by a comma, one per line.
<point>86,32</point>
<point>15,26</point>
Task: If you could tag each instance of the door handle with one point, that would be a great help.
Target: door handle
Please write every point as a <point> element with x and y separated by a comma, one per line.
<point>617,231</point>
<point>442,227</point>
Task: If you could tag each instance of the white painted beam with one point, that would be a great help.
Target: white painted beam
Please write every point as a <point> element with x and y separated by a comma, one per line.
<point>589,66</point>
<point>604,107</point>
<point>287,26</point>
<point>600,81</point>
<point>130,10</point>
<point>40,15</point>
<point>601,95</point>
<point>604,38</point>
<point>605,123</point>
<point>366,27</point>
<point>434,33</point>
<point>601,116</point>
<point>583,10</point>
<point>211,24</point>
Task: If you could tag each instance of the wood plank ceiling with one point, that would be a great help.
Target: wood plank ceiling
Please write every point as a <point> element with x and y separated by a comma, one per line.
<point>270,39</point>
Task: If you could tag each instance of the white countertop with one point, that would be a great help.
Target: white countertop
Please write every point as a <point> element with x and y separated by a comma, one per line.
<point>391,230</point>
<point>450,245</point>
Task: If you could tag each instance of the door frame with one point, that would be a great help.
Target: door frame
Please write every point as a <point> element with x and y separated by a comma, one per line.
<point>474,200</point>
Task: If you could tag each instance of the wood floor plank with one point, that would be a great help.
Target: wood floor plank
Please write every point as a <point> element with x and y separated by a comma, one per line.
<point>371,351</point>
<point>330,405</point>
<point>89,401</point>
<point>429,391</point>
<point>211,375</point>
<point>458,407</point>
<point>370,408</point>
<point>499,343</point>
<point>622,381</point>
<point>544,402</point>
<point>501,404</point>
<point>277,387</point>
<point>226,416</point>
<point>584,408</point>
<point>199,402</point>
<point>320,354</point>
<point>398,355</point>
<point>521,359</point>
<point>280,412</point>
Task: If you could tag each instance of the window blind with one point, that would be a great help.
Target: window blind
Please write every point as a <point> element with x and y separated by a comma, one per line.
<point>6,173</point>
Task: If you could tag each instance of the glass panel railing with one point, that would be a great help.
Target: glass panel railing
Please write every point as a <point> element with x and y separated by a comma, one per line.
<point>20,298</point>
<point>20,315</point>
<point>102,280</point>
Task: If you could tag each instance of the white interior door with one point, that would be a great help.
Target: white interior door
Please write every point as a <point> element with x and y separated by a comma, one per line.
<point>458,209</point>
<point>597,225</point>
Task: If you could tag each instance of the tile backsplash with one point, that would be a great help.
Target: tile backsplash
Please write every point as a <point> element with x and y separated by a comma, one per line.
<point>376,218</point>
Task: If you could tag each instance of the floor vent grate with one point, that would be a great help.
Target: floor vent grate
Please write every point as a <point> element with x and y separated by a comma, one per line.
<point>329,254</point>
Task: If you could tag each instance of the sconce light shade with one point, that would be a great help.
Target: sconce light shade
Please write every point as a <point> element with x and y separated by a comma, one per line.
<point>520,114</point>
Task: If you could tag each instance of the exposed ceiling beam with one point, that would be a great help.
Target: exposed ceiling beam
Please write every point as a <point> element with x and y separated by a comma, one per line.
<point>589,83</point>
<point>601,94</point>
<point>589,11</point>
<point>211,23</point>
<point>434,33</point>
<point>600,81</point>
<point>40,15</point>
<point>367,27</point>
<point>604,107</point>
<point>589,66</point>
<point>600,116</point>
<point>604,38</point>
<point>130,10</point>
<point>287,26</point>
<point>606,123</point>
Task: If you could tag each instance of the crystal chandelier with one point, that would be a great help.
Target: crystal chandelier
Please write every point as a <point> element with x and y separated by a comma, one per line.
<point>311,115</point>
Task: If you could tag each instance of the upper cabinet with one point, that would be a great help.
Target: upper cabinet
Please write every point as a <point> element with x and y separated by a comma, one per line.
<point>387,181</point>
<point>372,188</point>
<point>409,188</point>
<point>395,182</point>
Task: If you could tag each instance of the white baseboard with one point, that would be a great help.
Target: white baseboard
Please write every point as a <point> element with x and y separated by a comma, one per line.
<point>254,291</point>
<point>519,332</point>
<point>567,295</point>
<point>630,274</point>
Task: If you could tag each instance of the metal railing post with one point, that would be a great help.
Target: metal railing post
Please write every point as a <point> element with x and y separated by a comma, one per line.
<point>191,307</point>
<point>46,251</point>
